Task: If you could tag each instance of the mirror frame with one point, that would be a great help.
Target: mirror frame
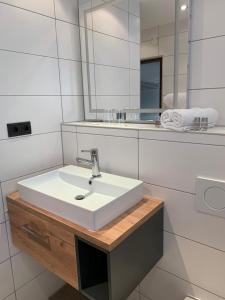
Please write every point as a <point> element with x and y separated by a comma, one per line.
<point>176,63</point>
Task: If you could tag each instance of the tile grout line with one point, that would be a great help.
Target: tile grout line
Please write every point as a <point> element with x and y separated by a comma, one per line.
<point>60,81</point>
<point>177,276</point>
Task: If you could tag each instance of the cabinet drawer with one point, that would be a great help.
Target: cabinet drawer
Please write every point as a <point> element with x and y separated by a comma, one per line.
<point>51,245</point>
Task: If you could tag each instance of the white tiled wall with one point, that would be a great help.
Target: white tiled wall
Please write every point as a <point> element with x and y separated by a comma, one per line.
<point>207,84</point>
<point>159,41</point>
<point>114,53</point>
<point>168,163</point>
<point>40,81</point>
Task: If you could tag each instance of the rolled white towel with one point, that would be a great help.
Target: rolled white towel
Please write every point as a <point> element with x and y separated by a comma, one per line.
<point>166,116</point>
<point>185,117</point>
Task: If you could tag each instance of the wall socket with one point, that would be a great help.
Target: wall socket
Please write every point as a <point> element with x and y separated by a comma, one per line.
<point>18,129</point>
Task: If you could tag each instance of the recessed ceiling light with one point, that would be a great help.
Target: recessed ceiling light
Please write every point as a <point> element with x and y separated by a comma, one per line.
<point>183,7</point>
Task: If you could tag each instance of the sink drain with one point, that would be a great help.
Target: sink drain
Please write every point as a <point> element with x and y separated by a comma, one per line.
<point>79,197</point>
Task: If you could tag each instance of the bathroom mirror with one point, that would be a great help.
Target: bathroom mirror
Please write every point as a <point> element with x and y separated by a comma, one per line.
<point>134,57</point>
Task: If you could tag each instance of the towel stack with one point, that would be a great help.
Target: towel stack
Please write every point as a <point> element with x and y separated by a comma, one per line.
<point>182,119</point>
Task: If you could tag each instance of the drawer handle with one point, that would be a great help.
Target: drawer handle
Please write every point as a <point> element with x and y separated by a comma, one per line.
<point>36,237</point>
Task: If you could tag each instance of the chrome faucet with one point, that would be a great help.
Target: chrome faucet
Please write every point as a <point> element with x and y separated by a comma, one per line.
<point>94,162</point>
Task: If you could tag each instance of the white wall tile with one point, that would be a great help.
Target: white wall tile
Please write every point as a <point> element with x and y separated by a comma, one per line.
<point>134,296</point>
<point>210,98</point>
<point>183,43</point>
<point>157,156</point>
<point>123,4</point>
<point>135,102</point>
<point>11,297</point>
<point>181,217</point>
<point>4,249</point>
<point>149,49</point>
<point>24,155</point>
<point>88,114</point>
<point>134,7</point>
<point>68,40</point>
<point>41,288</point>
<point>112,102</point>
<point>85,13</point>
<point>49,108</point>
<point>194,262</point>
<point>2,216</point>
<point>167,30</point>
<point>149,34</point>
<point>135,88</point>
<point>166,46</point>
<point>111,20</point>
<point>25,268</point>
<point>204,23</point>
<point>38,37</point>
<point>6,280</point>
<point>205,71</point>
<point>71,77</point>
<point>134,29</point>
<point>88,76</point>
<point>168,84</point>
<point>111,81</point>
<point>189,137</point>
<point>13,250</point>
<point>69,147</point>
<point>67,10</point>
<point>23,74</point>
<point>86,34</point>
<point>107,131</point>
<point>45,7</point>
<point>121,152</point>
<point>110,51</point>
<point>73,108</point>
<point>69,128</point>
<point>161,285</point>
<point>134,55</point>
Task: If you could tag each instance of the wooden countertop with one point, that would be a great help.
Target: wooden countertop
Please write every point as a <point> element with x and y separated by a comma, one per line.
<point>109,236</point>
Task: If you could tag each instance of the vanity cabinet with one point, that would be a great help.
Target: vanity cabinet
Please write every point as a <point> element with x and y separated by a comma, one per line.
<point>103,265</point>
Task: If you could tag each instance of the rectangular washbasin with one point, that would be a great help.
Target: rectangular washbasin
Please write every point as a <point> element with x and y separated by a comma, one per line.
<point>104,198</point>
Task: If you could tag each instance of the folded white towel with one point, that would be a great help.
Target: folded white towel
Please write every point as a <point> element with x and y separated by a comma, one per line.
<point>182,119</point>
<point>166,116</point>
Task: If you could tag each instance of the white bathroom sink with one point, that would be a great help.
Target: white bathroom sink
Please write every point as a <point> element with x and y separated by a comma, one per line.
<point>105,198</point>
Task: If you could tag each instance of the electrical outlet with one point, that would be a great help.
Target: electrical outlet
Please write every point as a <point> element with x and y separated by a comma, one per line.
<point>18,129</point>
<point>25,128</point>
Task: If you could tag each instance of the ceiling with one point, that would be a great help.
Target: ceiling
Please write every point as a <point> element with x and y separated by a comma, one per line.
<point>158,12</point>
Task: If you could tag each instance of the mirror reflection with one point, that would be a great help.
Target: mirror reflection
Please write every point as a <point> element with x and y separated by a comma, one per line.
<point>135,57</point>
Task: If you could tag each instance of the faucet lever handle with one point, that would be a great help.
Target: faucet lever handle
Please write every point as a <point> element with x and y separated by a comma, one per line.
<point>92,151</point>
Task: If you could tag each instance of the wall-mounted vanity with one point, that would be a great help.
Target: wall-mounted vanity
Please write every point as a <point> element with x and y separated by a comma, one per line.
<point>104,264</point>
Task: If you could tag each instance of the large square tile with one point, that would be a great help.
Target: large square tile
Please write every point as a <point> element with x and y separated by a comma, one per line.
<point>110,51</point>
<point>45,7</point>
<point>25,268</point>
<point>6,280</point>
<point>26,156</point>
<point>37,38</point>
<point>71,77</point>
<point>67,10</point>
<point>23,108</point>
<point>68,40</point>
<point>111,81</point>
<point>23,74</point>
